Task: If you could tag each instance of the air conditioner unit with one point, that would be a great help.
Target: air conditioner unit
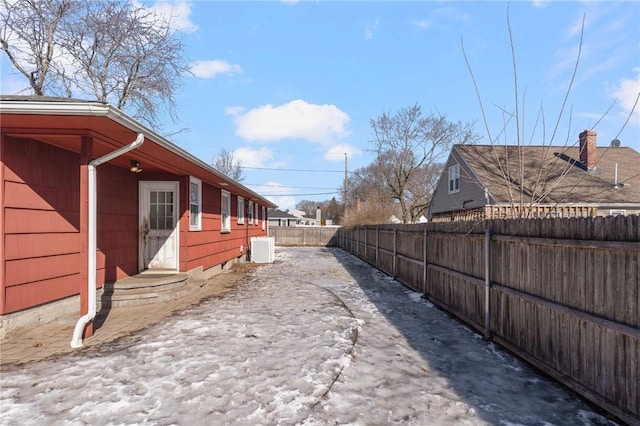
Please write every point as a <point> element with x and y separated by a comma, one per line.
<point>263,249</point>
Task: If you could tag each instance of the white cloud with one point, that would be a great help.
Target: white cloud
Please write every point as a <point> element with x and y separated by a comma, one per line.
<point>277,193</point>
<point>177,13</point>
<point>210,69</point>
<point>421,24</point>
<point>294,120</point>
<point>371,29</point>
<point>248,157</point>
<point>626,93</point>
<point>540,3</point>
<point>336,152</point>
<point>234,110</point>
<point>452,13</point>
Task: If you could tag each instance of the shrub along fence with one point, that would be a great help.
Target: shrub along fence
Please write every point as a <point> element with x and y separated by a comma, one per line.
<point>560,293</point>
<point>304,235</point>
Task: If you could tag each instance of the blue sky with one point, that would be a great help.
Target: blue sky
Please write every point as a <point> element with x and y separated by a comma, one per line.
<point>293,85</point>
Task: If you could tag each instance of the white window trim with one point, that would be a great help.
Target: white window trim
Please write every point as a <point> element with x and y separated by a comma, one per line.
<point>617,212</point>
<point>250,212</point>
<point>454,176</point>
<point>225,225</point>
<point>240,210</point>
<point>198,225</point>
<point>264,218</point>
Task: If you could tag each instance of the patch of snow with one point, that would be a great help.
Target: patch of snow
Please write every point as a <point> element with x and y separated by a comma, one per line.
<point>318,337</point>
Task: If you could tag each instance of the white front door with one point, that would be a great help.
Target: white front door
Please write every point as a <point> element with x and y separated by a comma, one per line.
<point>159,225</point>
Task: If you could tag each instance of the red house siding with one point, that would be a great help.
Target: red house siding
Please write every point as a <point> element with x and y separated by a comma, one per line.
<point>117,223</point>
<point>210,247</point>
<point>40,191</point>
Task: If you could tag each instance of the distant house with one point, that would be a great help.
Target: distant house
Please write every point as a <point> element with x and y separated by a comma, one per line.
<point>91,196</point>
<point>487,181</point>
<point>279,218</point>
<point>306,219</point>
<point>295,217</point>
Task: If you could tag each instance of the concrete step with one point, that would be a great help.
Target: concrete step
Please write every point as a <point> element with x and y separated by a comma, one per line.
<point>148,288</point>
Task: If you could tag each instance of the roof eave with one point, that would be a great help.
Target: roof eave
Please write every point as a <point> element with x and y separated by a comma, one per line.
<point>99,109</point>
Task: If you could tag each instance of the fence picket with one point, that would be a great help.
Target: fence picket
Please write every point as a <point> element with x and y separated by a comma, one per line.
<point>563,292</point>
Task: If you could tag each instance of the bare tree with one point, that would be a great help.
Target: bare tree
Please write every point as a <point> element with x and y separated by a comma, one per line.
<point>408,146</point>
<point>309,206</point>
<point>330,209</point>
<point>528,181</point>
<point>29,35</point>
<point>367,182</point>
<point>226,164</point>
<point>373,211</point>
<point>108,50</point>
<point>125,55</point>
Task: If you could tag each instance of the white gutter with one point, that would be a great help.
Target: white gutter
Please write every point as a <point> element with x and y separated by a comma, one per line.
<point>15,105</point>
<point>76,341</point>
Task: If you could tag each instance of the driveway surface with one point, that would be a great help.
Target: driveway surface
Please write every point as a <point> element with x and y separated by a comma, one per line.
<point>317,338</point>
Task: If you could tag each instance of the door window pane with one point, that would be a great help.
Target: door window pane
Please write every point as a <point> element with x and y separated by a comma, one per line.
<point>161,210</point>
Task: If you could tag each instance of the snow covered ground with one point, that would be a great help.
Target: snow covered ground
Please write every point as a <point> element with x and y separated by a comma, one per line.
<point>318,338</point>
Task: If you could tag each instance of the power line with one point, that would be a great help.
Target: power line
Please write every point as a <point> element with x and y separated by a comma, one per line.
<point>287,186</point>
<point>293,170</point>
<point>299,195</point>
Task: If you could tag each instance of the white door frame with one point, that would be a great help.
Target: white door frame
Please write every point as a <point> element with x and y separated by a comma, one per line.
<point>143,207</point>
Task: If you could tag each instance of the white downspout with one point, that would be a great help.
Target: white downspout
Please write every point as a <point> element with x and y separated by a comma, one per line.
<point>76,341</point>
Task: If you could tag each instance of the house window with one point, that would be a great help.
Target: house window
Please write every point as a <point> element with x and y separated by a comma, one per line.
<point>257,221</point>
<point>617,212</point>
<point>264,217</point>
<point>454,178</point>
<point>250,212</point>
<point>240,210</point>
<point>195,204</point>
<point>225,212</point>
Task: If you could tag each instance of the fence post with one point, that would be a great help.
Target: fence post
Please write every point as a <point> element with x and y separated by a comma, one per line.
<point>424,263</point>
<point>366,231</point>
<point>377,243</point>
<point>487,283</point>
<point>395,250</point>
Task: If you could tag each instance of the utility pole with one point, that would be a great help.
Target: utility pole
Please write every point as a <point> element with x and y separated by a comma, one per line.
<point>345,183</point>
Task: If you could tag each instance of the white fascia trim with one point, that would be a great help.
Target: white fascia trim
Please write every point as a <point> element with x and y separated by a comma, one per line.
<point>99,109</point>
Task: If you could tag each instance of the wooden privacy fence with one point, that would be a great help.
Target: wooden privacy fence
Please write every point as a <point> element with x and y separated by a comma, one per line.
<point>304,235</point>
<point>560,293</point>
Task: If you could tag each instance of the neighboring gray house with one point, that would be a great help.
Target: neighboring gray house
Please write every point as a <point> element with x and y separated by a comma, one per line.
<point>279,218</point>
<point>506,181</point>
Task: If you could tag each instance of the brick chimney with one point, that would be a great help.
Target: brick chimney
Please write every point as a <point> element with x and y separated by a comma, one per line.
<point>318,215</point>
<point>588,154</point>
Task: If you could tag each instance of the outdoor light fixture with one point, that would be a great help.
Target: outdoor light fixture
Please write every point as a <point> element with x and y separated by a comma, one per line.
<point>135,167</point>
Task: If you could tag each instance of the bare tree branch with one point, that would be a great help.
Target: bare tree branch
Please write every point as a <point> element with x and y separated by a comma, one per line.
<point>29,36</point>
<point>227,165</point>
<point>408,146</point>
